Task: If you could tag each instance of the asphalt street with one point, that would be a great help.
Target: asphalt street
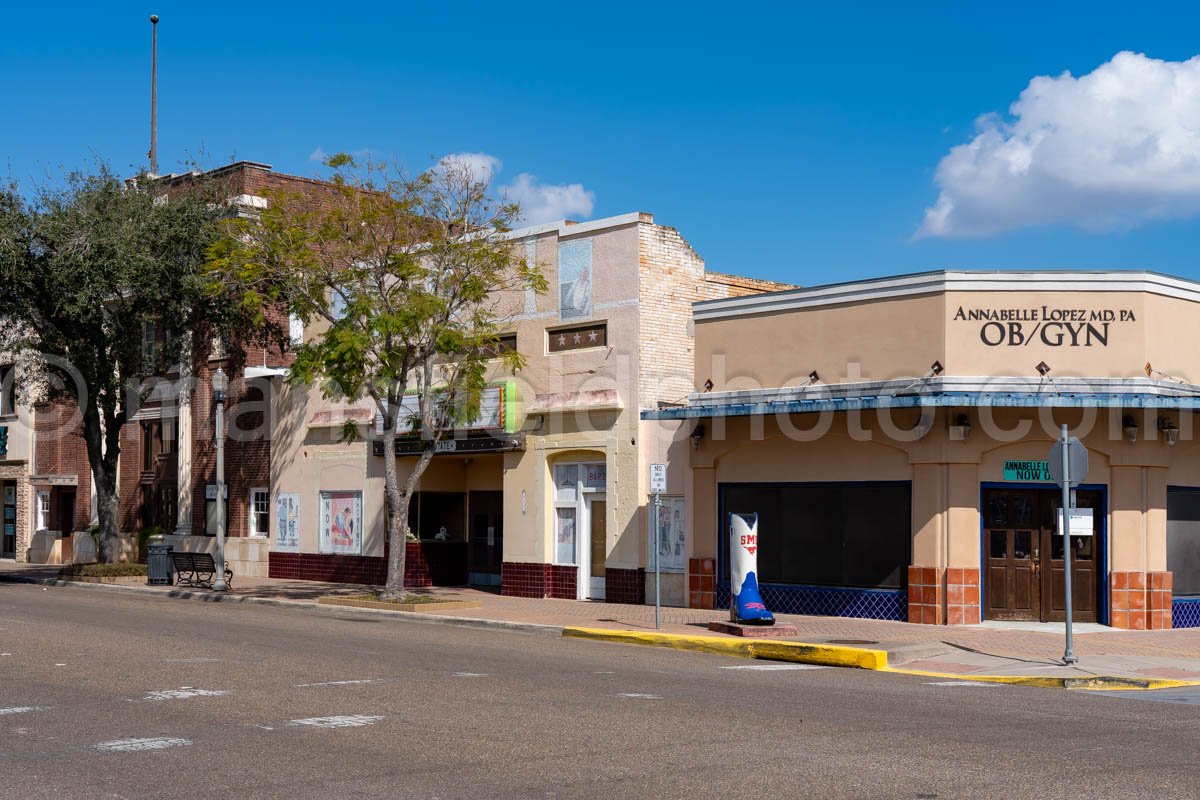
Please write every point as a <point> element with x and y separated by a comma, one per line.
<point>117,696</point>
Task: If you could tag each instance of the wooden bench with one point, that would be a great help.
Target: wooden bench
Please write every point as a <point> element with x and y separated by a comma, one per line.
<point>197,569</point>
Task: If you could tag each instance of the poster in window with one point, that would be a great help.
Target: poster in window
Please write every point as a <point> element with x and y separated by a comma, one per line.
<point>341,523</point>
<point>672,545</point>
<point>287,523</point>
<point>565,544</point>
<point>575,280</point>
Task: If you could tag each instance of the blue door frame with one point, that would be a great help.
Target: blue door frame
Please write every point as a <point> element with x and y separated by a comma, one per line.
<point>1102,614</point>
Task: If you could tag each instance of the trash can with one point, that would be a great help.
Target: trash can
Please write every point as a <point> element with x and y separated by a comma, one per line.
<point>158,564</point>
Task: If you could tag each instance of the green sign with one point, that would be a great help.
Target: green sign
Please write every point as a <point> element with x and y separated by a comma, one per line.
<point>1038,471</point>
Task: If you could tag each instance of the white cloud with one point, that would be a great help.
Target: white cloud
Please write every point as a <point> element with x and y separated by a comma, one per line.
<point>541,202</point>
<point>318,155</point>
<point>1108,150</point>
<point>483,167</point>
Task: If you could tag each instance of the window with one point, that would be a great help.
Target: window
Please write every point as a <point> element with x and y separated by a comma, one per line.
<point>340,523</point>
<point>295,330</point>
<point>218,346</point>
<point>43,512</point>
<point>506,343</point>
<point>575,280</point>
<point>8,403</point>
<point>1183,539</point>
<point>260,512</point>
<point>337,305</point>
<point>577,338</point>
<point>826,534</point>
<point>149,343</point>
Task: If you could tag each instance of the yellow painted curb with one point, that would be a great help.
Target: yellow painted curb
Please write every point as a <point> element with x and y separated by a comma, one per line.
<point>1095,683</point>
<point>798,652</point>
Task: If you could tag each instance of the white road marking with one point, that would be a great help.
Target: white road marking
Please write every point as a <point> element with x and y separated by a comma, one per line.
<point>190,660</point>
<point>776,667</point>
<point>958,683</point>
<point>640,696</point>
<point>5,654</point>
<point>137,745</point>
<point>603,672</point>
<point>60,665</point>
<point>21,710</point>
<point>182,693</point>
<point>347,721</point>
<point>471,675</point>
<point>335,683</point>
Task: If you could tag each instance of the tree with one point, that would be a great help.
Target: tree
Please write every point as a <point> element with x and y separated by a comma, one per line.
<point>103,289</point>
<point>407,280</point>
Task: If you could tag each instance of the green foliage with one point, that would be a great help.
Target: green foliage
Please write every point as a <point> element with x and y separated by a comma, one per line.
<point>89,266</point>
<point>102,570</point>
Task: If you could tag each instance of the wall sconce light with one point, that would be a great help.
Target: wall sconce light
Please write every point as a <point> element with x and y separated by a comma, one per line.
<point>1130,426</point>
<point>961,429</point>
<point>1043,368</point>
<point>936,368</point>
<point>708,384</point>
<point>1169,430</point>
<point>697,435</point>
<point>813,377</point>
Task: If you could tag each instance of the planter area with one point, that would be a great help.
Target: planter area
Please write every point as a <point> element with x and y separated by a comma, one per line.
<point>372,601</point>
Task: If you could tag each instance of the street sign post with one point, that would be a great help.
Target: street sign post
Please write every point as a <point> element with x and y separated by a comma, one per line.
<point>658,485</point>
<point>1068,466</point>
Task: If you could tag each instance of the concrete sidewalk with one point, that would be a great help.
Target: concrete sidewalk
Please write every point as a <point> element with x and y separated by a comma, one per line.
<point>1018,652</point>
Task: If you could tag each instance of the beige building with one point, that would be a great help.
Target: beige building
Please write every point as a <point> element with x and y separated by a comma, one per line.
<point>893,436</point>
<point>547,494</point>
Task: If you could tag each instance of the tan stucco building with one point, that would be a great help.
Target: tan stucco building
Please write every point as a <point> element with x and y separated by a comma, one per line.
<point>892,435</point>
<point>547,494</point>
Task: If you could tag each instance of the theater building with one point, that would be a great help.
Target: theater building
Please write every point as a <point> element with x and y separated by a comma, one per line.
<point>893,434</point>
<point>546,494</point>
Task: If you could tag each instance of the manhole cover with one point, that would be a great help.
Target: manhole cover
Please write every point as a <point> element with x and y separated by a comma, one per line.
<point>852,641</point>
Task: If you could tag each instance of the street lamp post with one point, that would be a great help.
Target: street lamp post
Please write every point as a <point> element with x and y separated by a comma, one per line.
<point>220,382</point>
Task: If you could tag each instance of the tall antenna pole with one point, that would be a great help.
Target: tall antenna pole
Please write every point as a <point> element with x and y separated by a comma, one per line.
<point>153,94</point>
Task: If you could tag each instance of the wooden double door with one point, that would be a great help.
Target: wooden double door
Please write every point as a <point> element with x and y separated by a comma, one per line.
<point>1023,557</point>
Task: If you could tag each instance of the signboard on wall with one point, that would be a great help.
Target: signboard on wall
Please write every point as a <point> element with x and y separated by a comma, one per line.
<point>1028,471</point>
<point>341,523</point>
<point>671,536</point>
<point>287,523</point>
<point>1080,521</point>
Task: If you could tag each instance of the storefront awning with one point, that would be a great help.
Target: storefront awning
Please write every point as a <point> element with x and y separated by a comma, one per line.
<point>947,400</point>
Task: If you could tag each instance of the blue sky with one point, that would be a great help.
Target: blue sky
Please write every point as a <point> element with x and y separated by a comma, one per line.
<point>799,142</point>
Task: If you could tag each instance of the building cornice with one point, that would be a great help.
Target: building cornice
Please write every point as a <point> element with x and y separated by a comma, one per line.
<point>942,281</point>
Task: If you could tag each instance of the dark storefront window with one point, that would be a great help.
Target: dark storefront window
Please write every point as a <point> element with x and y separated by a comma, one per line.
<point>434,513</point>
<point>1183,539</point>
<point>826,534</point>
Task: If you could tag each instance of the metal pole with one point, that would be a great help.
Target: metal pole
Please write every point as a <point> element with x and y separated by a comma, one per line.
<point>1069,654</point>
<point>219,584</point>
<point>657,548</point>
<point>154,94</point>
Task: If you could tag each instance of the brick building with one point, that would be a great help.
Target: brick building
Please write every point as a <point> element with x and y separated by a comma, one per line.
<point>168,456</point>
